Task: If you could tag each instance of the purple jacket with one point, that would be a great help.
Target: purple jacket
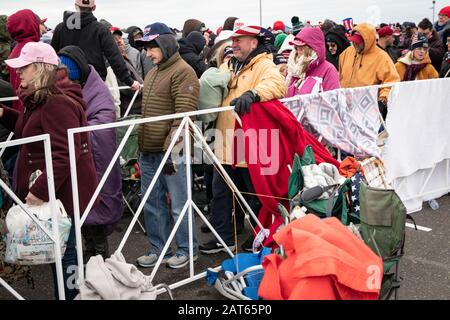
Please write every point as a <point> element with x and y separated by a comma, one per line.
<point>319,68</point>
<point>100,110</point>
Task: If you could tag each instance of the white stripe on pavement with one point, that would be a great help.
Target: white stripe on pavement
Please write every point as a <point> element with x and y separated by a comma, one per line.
<point>410,225</point>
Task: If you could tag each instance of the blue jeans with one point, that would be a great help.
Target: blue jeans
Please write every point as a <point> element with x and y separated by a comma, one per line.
<point>156,210</point>
<point>69,266</point>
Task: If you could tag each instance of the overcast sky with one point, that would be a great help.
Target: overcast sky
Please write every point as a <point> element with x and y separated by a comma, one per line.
<point>213,12</point>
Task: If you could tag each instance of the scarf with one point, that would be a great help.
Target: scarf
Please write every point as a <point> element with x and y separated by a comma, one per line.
<point>412,71</point>
<point>297,67</point>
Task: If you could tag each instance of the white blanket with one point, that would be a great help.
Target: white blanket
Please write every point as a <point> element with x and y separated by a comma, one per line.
<point>418,124</point>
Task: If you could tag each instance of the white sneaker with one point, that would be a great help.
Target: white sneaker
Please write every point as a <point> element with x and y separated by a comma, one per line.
<point>149,260</point>
<point>179,261</point>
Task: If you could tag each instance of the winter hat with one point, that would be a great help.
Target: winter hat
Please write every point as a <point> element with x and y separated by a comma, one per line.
<point>279,26</point>
<point>72,67</point>
<point>227,51</point>
<point>76,54</point>
<point>410,25</point>
<point>85,3</point>
<point>445,11</point>
<point>229,23</point>
<point>296,25</point>
<point>193,25</point>
<point>279,40</point>
<point>280,59</point>
<point>419,41</point>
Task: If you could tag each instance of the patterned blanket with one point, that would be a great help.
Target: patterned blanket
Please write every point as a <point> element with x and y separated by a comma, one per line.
<point>347,119</point>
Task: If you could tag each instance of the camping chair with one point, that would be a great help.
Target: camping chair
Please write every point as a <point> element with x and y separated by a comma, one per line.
<point>129,164</point>
<point>380,220</point>
<point>243,273</point>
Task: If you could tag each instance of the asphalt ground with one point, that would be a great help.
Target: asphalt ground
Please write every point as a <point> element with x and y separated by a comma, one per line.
<point>425,268</point>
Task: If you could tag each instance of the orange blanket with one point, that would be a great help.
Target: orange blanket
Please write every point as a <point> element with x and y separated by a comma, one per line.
<point>325,261</point>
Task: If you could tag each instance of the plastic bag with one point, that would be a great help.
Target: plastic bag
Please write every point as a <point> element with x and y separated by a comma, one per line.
<point>26,242</point>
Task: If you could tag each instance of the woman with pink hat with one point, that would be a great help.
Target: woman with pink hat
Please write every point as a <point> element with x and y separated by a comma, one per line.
<point>49,109</point>
<point>308,70</point>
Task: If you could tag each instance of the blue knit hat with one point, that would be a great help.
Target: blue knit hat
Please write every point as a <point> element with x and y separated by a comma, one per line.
<point>72,66</point>
<point>419,41</point>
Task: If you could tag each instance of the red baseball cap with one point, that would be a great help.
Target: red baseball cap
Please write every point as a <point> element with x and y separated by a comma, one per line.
<point>385,32</point>
<point>356,38</point>
<point>297,41</point>
<point>115,30</point>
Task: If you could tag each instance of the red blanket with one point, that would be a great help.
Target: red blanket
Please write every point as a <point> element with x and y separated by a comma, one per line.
<point>279,136</point>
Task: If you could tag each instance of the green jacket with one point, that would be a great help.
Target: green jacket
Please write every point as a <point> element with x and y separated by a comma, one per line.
<point>5,47</point>
<point>169,88</point>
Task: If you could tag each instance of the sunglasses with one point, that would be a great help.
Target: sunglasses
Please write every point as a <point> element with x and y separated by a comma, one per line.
<point>331,44</point>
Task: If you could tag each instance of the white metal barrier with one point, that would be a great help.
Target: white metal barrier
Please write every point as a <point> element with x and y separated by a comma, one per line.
<point>54,236</point>
<point>189,206</point>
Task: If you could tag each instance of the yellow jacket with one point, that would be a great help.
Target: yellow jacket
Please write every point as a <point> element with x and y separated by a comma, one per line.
<point>373,66</point>
<point>429,72</point>
<point>261,75</point>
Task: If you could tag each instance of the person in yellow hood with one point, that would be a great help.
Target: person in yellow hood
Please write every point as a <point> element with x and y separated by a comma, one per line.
<point>365,64</point>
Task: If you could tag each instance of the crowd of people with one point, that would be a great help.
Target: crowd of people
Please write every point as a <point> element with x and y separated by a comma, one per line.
<point>63,79</point>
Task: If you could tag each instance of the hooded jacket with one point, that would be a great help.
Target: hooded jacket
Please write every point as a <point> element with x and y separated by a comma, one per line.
<point>170,87</point>
<point>79,57</point>
<point>436,50</point>
<point>55,116</point>
<point>259,74</point>
<point>100,109</point>
<point>23,28</point>
<point>427,70</point>
<point>95,40</point>
<point>145,61</point>
<point>192,25</point>
<point>190,49</point>
<point>5,47</point>
<point>371,67</point>
<point>320,69</point>
<point>337,36</point>
<point>131,31</point>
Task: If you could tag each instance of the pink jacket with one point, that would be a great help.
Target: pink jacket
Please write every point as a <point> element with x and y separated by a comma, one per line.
<point>319,70</point>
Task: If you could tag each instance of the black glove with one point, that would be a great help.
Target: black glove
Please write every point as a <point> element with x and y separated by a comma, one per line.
<point>169,168</point>
<point>242,104</point>
<point>382,106</point>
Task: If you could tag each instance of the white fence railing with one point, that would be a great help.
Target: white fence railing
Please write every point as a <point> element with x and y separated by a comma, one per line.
<point>54,236</point>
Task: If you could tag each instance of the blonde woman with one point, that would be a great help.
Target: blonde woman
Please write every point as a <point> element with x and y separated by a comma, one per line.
<point>308,70</point>
<point>49,109</point>
<point>416,64</point>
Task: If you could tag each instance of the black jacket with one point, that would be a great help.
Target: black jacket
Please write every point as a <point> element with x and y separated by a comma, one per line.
<point>190,49</point>
<point>436,50</point>
<point>392,52</point>
<point>95,40</point>
<point>337,36</point>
